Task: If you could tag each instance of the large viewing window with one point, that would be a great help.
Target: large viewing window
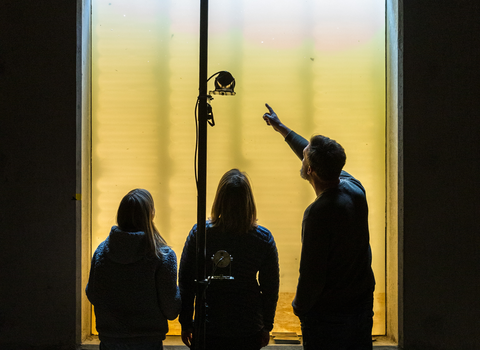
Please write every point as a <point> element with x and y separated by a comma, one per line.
<point>320,64</point>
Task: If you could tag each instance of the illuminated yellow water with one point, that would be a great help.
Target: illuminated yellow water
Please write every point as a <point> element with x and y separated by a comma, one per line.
<point>319,64</point>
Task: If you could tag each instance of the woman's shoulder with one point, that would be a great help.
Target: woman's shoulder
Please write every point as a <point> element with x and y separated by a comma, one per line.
<point>166,257</point>
<point>101,250</point>
<point>263,234</point>
<point>167,252</point>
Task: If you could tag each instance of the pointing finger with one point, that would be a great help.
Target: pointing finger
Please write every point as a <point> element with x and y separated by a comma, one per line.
<point>269,108</point>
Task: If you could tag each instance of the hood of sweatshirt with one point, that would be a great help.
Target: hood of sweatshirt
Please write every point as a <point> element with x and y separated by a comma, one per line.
<point>125,247</point>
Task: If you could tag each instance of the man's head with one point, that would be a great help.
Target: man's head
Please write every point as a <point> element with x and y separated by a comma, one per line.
<point>323,156</point>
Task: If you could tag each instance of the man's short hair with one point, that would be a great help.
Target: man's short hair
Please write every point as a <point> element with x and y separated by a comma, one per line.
<point>326,157</point>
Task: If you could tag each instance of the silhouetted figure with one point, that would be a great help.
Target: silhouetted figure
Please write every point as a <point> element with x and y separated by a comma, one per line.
<point>334,298</point>
<point>133,280</point>
<point>240,312</point>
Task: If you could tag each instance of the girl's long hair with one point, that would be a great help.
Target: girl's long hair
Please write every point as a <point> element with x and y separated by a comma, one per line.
<point>135,213</point>
<point>234,208</point>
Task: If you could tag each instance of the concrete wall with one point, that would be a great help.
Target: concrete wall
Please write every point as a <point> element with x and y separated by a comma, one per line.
<point>37,174</point>
<point>439,267</point>
<point>441,163</point>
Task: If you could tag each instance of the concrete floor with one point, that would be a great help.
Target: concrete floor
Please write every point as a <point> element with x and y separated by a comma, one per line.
<point>175,343</point>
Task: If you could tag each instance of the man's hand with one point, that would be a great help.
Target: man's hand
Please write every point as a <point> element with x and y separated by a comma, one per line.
<point>187,336</point>
<point>272,119</point>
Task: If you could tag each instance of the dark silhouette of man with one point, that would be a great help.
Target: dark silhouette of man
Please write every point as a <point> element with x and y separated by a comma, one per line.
<point>334,298</point>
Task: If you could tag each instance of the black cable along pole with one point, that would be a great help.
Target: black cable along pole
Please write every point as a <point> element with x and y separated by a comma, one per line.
<point>199,330</point>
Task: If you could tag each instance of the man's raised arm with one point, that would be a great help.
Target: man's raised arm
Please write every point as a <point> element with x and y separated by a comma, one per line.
<point>296,142</point>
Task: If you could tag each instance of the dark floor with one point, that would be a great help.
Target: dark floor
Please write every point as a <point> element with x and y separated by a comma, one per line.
<point>175,343</point>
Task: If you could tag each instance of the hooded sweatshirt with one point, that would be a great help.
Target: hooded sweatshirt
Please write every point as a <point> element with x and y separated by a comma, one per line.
<point>133,292</point>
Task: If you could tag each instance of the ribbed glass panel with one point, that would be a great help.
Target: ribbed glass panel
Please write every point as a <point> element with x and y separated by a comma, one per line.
<point>319,64</point>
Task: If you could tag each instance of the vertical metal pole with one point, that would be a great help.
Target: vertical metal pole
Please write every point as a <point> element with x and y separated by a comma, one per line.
<point>199,331</point>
